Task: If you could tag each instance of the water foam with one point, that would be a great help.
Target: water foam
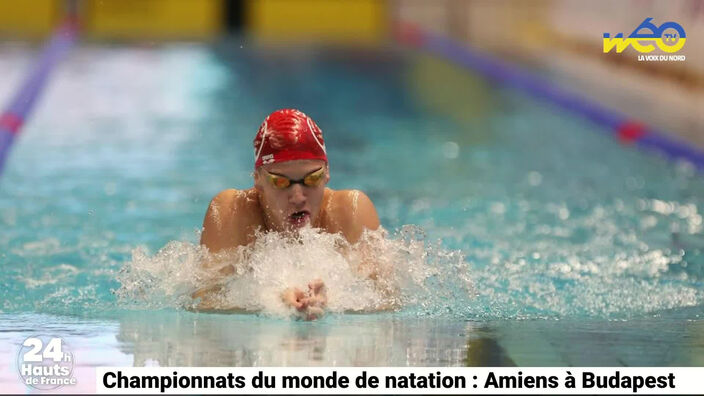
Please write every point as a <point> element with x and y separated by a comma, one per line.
<point>410,273</point>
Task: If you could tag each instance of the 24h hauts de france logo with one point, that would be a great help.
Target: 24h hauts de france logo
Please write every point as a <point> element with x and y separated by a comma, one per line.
<point>45,363</point>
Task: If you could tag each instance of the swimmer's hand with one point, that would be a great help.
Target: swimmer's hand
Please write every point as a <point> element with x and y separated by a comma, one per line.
<point>310,305</point>
<point>317,300</point>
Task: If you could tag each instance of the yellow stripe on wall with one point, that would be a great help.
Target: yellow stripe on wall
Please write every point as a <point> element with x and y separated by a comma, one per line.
<point>153,18</point>
<point>327,20</point>
<point>28,18</point>
<point>443,87</point>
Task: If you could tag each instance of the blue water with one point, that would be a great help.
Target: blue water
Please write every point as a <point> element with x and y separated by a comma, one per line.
<point>566,235</point>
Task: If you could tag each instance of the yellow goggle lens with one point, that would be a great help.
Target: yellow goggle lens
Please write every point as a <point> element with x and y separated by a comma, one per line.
<point>310,180</point>
<point>279,182</point>
<point>314,179</point>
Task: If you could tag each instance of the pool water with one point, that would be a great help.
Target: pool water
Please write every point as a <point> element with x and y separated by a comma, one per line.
<point>578,250</point>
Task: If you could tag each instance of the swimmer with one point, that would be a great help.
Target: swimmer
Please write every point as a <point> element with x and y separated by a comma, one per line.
<point>290,177</point>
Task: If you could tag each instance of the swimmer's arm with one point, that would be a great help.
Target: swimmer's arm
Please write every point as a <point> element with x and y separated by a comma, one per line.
<point>361,218</point>
<point>210,301</point>
<point>357,215</point>
<point>209,298</point>
<point>222,232</point>
<point>220,229</point>
<point>229,223</point>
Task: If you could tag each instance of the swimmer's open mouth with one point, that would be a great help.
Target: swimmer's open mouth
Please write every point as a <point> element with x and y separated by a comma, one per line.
<point>300,217</point>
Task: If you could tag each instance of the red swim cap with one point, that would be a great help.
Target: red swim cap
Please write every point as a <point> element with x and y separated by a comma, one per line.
<point>287,135</point>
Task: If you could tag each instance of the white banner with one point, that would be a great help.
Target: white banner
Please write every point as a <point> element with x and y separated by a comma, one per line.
<point>401,380</point>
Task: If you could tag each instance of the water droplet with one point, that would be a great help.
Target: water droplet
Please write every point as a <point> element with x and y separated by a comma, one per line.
<point>450,150</point>
<point>535,178</point>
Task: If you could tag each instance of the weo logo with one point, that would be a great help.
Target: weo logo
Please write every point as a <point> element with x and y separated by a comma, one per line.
<point>668,37</point>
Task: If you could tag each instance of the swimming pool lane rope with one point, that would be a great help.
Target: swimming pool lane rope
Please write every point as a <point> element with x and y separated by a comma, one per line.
<point>620,126</point>
<point>16,113</point>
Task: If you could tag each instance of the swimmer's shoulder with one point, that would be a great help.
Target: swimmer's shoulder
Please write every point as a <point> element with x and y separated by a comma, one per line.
<point>236,199</point>
<point>348,198</point>
<point>231,203</point>
<point>231,220</point>
<point>353,212</point>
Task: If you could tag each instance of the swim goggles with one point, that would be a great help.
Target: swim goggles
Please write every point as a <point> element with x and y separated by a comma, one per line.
<point>312,179</point>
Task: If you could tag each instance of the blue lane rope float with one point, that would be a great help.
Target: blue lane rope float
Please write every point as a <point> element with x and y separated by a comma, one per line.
<point>15,115</point>
<point>623,128</point>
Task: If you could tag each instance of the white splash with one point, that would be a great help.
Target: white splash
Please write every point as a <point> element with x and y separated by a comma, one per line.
<point>406,271</point>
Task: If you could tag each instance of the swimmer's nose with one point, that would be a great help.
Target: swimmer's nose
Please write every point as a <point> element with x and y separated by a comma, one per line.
<point>296,197</point>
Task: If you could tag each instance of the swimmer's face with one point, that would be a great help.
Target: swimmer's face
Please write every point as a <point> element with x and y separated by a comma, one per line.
<point>288,206</point>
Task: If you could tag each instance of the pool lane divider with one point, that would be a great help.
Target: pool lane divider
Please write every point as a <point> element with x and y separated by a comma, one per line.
<point>621,127</point>
<point>17,112</point>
